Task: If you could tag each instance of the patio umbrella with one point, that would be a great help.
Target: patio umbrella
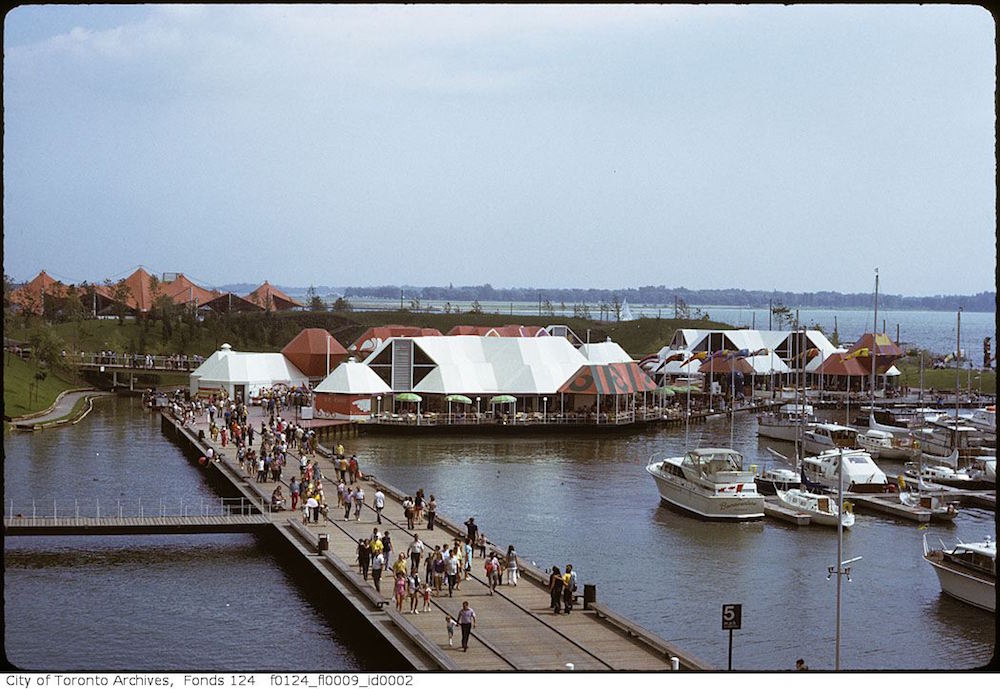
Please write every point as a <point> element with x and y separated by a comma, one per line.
<point>665,390</point>
<point>503,399</point>
<point>409,397</point>
<point>461,399</point>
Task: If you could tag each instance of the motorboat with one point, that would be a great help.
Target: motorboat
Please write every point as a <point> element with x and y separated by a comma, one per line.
<point>775,478</point>
<point>861,474</point>
<point>941,510</point>
<point>787,423</point>
<point>709,483</point>
<point>884,445</point>
<point>829,436</point>
<point>967,572</point>
<point>936,473</point>
<point>984,419</point>
<point>822,509</point>
<point>984,469</point>
<point>943,435</point>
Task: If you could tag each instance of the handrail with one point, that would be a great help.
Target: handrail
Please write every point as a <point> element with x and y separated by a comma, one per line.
<point>645,636</point>
<point>182,507</point>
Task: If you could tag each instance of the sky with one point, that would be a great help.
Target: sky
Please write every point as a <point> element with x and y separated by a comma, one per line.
<point>756,147</point>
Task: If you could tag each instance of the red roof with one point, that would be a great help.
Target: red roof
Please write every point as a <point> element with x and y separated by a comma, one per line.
<point>499,331</point>
<point>183,291</point>
<point>30,295</point>
<point>723,365</point>
<point>836,365</point>
<point>308,351</point>
<point>479,330</point>
<point>884,349</point>
<point>373,337</point>
<point>270,298</point>
<point>609,379</point>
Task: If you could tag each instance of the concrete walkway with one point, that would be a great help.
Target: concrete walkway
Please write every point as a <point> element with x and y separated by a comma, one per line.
<point>59,412</point>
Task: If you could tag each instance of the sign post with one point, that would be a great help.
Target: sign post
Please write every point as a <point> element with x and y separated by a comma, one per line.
<point>732,618</point>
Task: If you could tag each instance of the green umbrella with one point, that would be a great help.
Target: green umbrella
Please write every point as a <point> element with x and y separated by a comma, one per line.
<point>666,391</point>
<point>503,399</point>
<point>462,399</point>
<point>409,397</point>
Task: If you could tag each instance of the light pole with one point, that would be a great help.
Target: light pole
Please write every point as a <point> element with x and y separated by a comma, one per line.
<point>478,410</point>
<point>380,406</point>
<point>840,570</point>
<point>545,409</point>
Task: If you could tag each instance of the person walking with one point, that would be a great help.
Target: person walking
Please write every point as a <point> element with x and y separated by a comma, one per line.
<point>569,588</point>
<point>379,503</point>
<point>431,513</point>
<point>450,624</point>
<point>472,529</point>
<point>467,620</point>
<point>294,487</point>
<point>511,565</point>
<point>416,551</point>
<point>386,545</point>
<point>467,559</point>
<point>364,557</point>
<point>400,590</point>
<point>408,511</point>
<point>452,571</point>
<point>347,504</point>
<point>378,562</point>
<point>354,469</point>
<point>555,590</point>
<point>359,500</point>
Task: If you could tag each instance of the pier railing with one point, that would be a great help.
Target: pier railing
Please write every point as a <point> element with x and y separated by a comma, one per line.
<point>133,362</point>
<point>40,509</point>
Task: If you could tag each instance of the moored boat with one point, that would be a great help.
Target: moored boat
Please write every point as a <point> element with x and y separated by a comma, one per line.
<point>787,423</point>
<point>884,445</point>
<point>774,479</point>
<point>822,509</point>
<point>967,572</point>
<point>709,483</point>
<point>861,474</point>
<point>941,510</point>
<point>828,436</point>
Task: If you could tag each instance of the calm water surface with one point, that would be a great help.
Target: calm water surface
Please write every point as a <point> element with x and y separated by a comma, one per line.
<point>588,501</point>
<point>196,602</point>
<point>146,602</point>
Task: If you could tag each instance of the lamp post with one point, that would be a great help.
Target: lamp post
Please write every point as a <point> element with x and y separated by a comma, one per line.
<point>380,406</point>
<point>478,410</point>
<point>545,409</point>
<point>840,570</point>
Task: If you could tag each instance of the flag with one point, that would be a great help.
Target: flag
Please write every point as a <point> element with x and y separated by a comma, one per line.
<point>922,527</point>
<point>697,356</point>
<point>719,354</point>
<point>863,351</point>
<point>763,351</point>
<point>809,353</point>
<point>742,353</point>
<point>677,356</point>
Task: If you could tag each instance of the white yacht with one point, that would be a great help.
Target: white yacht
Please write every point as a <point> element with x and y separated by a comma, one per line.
<point>786,423</point>
<point>822,509</point>
<point>829,436</point>
<point>984,419</point>
<point>934,473</point>
<point>967,572</point>
<point>709,483</point>
<point>941,510</point>
<point>944,435</point>
<point>884,445</point>
<point>861,474</point>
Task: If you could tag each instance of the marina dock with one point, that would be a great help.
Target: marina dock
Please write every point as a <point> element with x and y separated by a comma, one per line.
<point>516,628</point>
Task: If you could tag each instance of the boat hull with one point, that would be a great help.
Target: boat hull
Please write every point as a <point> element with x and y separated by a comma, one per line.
<point>785,432</point>
<point>685,496</point>
<point>965,587</point>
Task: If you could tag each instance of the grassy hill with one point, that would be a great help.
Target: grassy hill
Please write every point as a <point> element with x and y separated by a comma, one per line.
<point>20,395</point>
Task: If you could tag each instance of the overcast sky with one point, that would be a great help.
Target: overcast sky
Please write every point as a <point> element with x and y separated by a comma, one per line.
<point>789,148</point>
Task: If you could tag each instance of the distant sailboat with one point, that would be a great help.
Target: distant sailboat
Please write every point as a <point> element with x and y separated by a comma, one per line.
<point>626,312</point>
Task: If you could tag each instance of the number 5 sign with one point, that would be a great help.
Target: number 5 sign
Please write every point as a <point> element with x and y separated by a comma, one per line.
<point>732,616</point>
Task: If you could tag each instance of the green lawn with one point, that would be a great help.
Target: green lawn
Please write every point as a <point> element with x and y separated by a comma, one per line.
<point>944,379</point>
<point>19,392</point>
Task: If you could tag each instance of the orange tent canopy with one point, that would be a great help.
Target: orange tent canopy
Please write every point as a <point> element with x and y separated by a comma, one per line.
<point>308,351</point>
<point>609,379</point>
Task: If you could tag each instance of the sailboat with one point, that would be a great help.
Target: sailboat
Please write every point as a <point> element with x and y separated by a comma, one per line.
<point>941,510</point>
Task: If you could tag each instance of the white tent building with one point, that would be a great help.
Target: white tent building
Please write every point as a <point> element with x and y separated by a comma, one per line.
<point>244,374</point>
<point>605,353</point>
<point>472,365</point>
<point>348,391</point>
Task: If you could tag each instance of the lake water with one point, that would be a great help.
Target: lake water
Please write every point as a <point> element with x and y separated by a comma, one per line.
<point>935,331</point>
<point>196,602</point>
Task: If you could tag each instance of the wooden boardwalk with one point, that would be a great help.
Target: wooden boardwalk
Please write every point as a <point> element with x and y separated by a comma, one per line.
<point>516,629</point>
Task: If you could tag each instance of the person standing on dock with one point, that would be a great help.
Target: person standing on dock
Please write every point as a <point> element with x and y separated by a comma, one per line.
<point>340,451</point>
<point>342,467</point>
<point>467,558</point>
<point>379,502</point>
<point>347,504</point>
<point>452,571</point>
<point>294,486</point>
<point>569,587</point>
<point>467,620</point>
<point>471,528</point>
<point>555,590</point>
<point>386,544</point>
<point>511,565</point>
<point>353,469</point>
<point>364,557</point>
<point>431,513</point>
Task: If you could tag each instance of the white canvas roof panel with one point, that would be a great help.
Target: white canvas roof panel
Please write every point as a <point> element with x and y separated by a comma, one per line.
<point>353,378</point>
<point>256,370</point>
<point>605,353</point>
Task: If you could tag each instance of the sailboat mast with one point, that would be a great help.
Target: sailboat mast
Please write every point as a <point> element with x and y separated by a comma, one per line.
<point>874,343</point>
<point>958,368</point>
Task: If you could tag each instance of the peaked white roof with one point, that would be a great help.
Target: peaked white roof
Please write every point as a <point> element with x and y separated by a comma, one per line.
<point>353,378</point>
<point>254,368</point>
<point>605,353</point>
<point>472,365</point>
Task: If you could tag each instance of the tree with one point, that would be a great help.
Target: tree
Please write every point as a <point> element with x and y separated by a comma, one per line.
<point>342,305</point>
<point>477,307</point>
<point>120,294</point>
<point>782,315</point>
<point>616,305</point>
<point>547,309</point>
<point>73,309</point>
